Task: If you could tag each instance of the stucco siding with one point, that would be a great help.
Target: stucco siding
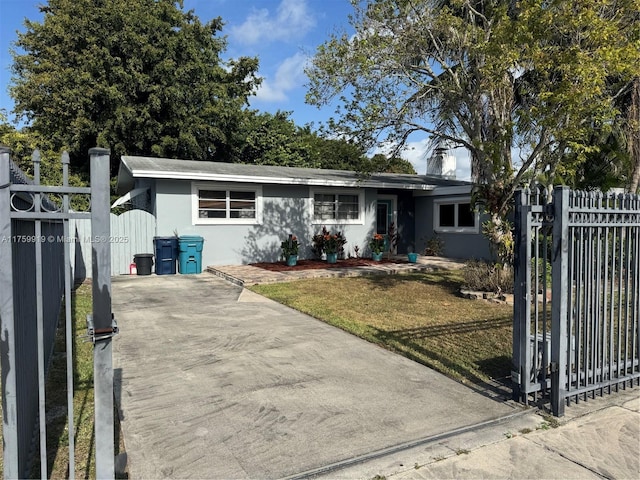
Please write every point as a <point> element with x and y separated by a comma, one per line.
<point>285,209</point>
<point>455,245</point>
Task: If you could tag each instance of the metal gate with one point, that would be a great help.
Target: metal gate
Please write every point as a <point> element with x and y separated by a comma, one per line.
<point>577,295</point>
<point>35,246</point>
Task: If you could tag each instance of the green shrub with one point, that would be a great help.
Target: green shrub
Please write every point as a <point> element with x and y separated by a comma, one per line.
<point>488,277</point>
<point>434,247</point>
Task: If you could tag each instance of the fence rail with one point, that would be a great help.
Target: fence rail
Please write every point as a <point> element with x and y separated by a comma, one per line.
<point>577,295</point>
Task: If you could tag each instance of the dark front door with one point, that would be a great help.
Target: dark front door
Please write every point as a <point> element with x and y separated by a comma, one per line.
<point>384,216</point>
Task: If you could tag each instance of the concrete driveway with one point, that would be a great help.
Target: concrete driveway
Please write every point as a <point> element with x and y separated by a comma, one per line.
<point>213,381</point>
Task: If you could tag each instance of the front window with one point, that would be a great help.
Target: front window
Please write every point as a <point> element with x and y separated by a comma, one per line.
<point>455,216</point>
<point>336,207</point>
<point>214,204</point>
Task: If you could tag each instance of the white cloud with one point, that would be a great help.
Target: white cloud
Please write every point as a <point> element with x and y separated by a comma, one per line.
<point>292,20</point>
<point>290,75</point>
<point>416,152</point>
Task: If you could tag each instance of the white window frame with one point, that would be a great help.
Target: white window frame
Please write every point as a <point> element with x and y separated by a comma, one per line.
<point>227,187</point>
<point>337,191</point>
<point>455,229</point>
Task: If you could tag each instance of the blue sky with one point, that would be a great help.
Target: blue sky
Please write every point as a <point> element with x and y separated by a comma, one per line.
<point>283,34</point>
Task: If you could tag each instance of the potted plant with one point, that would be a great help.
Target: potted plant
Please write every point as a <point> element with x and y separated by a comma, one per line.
<point>290,250</point>
<point>329,245</point>
<point>376,244</point>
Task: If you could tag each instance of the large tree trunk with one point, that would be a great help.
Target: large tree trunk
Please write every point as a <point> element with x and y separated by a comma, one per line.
<point>633,135</point>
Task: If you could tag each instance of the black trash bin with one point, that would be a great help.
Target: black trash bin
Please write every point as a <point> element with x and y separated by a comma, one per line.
<point>144,262</point>
<point>166,250</point>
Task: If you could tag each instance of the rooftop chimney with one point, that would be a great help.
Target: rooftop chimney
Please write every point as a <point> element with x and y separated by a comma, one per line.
<point>441,164</point>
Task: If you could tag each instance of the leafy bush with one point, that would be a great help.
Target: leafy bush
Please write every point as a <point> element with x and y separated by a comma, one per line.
<point>434,247</point>
<point>488,277</point>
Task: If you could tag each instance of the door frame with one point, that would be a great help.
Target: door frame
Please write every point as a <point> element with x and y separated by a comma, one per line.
<point>392,200</point>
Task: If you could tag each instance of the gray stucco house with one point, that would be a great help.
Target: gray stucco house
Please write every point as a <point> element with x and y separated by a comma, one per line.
<point>244,211</point>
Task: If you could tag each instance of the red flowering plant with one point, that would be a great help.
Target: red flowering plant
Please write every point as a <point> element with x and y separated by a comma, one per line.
<point>376,244</point>
<point>290,246</point>
<point>328,242</point>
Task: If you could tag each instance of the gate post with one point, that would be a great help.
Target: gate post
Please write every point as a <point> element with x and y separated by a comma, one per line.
<point>7,324</point>
<point>102,317</point>
<point>560,288</point>
<point>522,276</point>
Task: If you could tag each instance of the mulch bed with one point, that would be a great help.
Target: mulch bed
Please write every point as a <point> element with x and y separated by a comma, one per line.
<point>318,264</point>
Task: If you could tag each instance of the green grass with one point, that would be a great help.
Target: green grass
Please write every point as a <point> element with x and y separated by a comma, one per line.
<point>56,395</point>
<point>417,315</point>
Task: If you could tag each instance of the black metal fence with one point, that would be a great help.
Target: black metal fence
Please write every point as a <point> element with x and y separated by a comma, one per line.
<point>577,295</point>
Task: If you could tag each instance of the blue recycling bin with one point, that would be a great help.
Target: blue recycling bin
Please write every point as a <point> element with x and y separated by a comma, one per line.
<point>166,250</point>
<point>190,254</point>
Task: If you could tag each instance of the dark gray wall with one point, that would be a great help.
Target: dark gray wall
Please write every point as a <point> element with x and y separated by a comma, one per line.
<point>455,245</point>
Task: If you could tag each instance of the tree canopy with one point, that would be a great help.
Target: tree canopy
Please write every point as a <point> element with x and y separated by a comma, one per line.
<point>519,84</point>
<point>274,139</point>
<point>135,76</point>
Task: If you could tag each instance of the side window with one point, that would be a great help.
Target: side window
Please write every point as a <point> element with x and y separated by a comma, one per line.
<point>455,216</point>
<point>225,205</point>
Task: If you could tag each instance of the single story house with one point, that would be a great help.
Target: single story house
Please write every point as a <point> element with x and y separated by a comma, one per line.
<point>244,212</point>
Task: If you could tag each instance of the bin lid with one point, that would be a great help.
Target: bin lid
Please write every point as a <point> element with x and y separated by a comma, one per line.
<point>191,238</point>
<point>143,255</point>
<point>166,238</point>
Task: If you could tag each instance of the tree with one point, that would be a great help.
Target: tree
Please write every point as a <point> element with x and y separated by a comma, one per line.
<point>502,78</point>
<point>633,134</point>
<point>23,143</point>
<point>136,76</point>
<point>268,139</point>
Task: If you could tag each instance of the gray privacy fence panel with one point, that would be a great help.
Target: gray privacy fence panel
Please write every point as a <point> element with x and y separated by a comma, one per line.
<point>26,348</point>
<point>131,233</point>
<point>577,295</point>
<point>23,359</point>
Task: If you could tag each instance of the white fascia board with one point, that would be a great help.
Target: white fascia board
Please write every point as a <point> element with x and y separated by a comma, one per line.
<point>455,190</point>
<point>213,177</point>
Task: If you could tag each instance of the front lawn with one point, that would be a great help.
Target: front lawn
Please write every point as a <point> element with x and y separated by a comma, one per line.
<point>418,315</point>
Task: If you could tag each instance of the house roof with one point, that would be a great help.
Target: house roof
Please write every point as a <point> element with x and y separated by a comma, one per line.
<point>132,167</point>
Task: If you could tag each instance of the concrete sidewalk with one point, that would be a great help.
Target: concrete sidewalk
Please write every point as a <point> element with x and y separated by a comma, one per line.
<point>213,381</point>
<point>599,438</point>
